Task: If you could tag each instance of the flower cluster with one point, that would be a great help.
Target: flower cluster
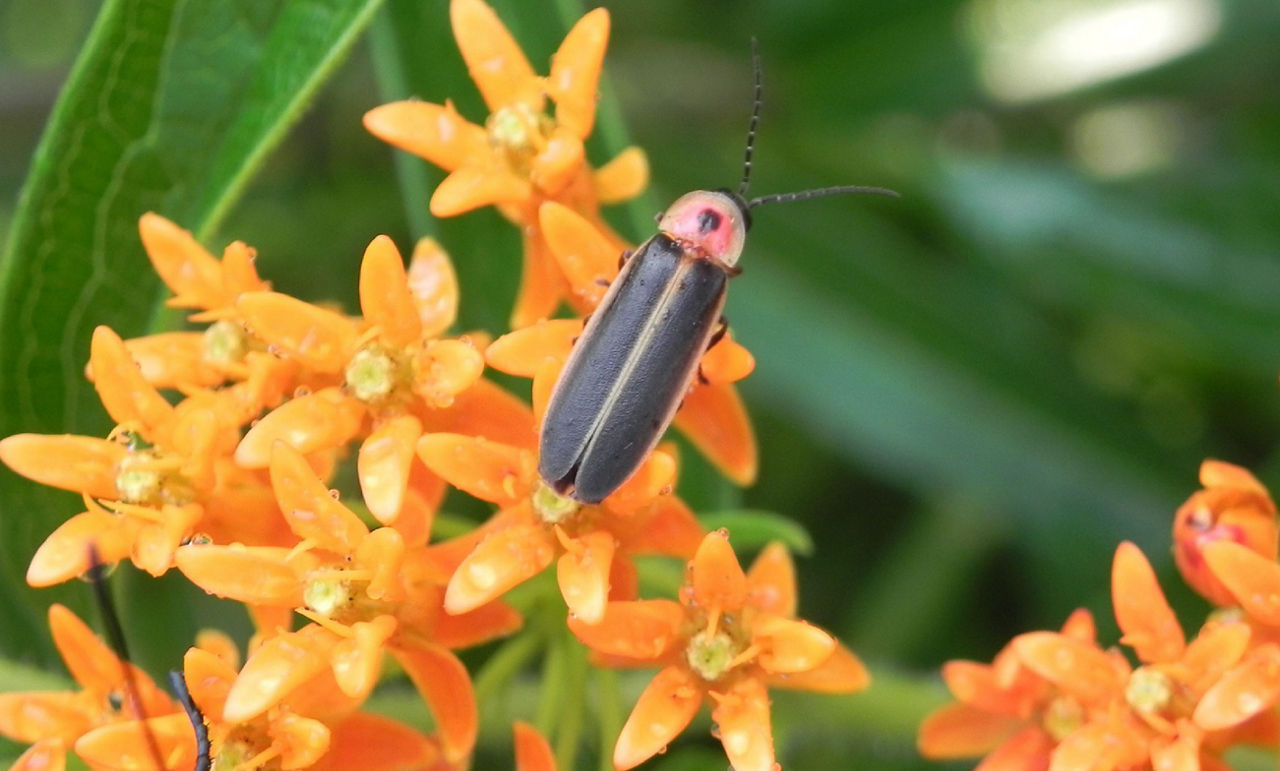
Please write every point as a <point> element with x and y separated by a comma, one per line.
<point>1060,700</point>
<point>228,438</point>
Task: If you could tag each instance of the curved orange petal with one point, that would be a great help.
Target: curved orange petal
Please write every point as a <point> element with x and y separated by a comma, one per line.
<point>255,575</point>
<point>309,507</point>
<point>126,396</point>
<point>523,351</point>
<point>279,666</point>
<point>544,383</point>
<point>1213,651</point>
<point>842,672</point>
<point>44,755</point>
<point>133,745</point>
<point>486,409</point>
<point>186,267</point>
<point>471,187</point>
<point>385,298</point>
<point>96,666</point>
<point>384,463</point>
<point>322,420</point>
<point>494,59</point>
<point>376,743</point>
<point>1245,690</point>
<point>434,287</point>
<point>585,256</point>
<point>487,622</point>
<point>789,646</point>
<point>558,163</point>
<point>357,660</point>
<point>1145,618</point>
<point>1073,666</point>
<point>645,630</point>
<point>1099,745</point>
<point>1216,473</point>
<point>446,687</point>
<point>961,731</point>
<point>665,709</point>
<point>668,527</point>
<point>442,369</point>
<point>208,678</point>
<point>239,274</point>
<point>83,464</point>
<point>437,133</point>
<point>383,554</point>
<point>35,716</point>
<point>317,337</point>
<point>714,419</point>
<point>624,177</point>
<point>583,575</point>
<point>771,581</point>
<point>1079,626</point>
<point>490,471</point>
<point>541,284</point>
<point>173,360</point>
<point>1251,577</point>
<point>156,542</point>
<point>1028,749</point>
<point>742,718</point>
<point>1179,754</point>
<point>715,576</point>
<point>575,72</point>
<point>532,751</point>
<point>726,361</point>
<point>502,560</point>
<point>300,740</point>
<point>65,553</point>
<point>655,477</point>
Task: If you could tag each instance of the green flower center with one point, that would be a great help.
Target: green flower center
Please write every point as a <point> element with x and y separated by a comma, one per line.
<point>137,478</point>
<point>1148,690</point>
<point>1063,716</point>
<point>328,596</point>
<point>711,656</point>
<point>225,342</point>
<point>371,375</point>
<point>552,507</point>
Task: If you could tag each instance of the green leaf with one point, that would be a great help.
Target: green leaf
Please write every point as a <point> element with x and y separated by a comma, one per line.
<point>751,529</point>
<point>169,108</point>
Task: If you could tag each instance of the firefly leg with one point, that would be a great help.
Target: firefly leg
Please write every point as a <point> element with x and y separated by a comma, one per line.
<point>622,258</point>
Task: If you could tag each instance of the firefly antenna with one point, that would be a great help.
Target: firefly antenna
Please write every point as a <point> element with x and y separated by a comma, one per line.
<point>822,192</point>
<point>755,120</point>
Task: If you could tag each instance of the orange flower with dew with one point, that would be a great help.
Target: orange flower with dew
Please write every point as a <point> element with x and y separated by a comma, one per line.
<point>363,591</point>
<point>111,691</point>
<point>1232,507</point>
<point>522,156</point>
<point>162,477</point>
<point>591,544</point>
<point>391,370</point>
<point>712,415</point>
<point>730,637</point>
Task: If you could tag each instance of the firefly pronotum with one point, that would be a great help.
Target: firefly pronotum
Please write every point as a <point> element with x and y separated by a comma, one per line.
<point>638,354</point>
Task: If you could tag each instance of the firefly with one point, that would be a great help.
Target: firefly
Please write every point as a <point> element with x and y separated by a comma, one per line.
<point>638,354</point>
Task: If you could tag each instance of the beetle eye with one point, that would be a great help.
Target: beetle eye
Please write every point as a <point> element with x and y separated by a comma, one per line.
<point>708,220</point>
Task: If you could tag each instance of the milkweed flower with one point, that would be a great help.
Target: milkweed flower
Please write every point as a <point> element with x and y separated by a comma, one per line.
<point>1233,507</point>
<point>111,691</point>
<point>591,544</point>
<point>523,155</point>
<point>730,637</point>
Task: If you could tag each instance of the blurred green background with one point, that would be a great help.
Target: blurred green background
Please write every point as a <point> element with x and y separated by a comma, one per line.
<point>967,397</point>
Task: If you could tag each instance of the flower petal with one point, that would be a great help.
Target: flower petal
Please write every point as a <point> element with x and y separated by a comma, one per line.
<point>446,687</point>
<point>558,163</point>
<point>471,187</point>
<point>1073,666</point>
<point>668,527</point>
<point>384,463</point>
<point>524,350</point>
<point>385,298</point>
<point>279,665</point>
<point>35,716</point>
<point>44,755</point>
<point>842,672</point>
<point>126,396</point>
<point>488,410</point>
<point>771,581</point>
<point>357,660</point>
<point>1217,648</point>
<point>186,267</point>
<point>1252,578</point>
<point>437,133</point>
<point>174,360</point>
<point>383,555</point>
<point>583,575</point>
<point>742,718</point>
<point>434,287</point>
<point>376,743</point>
<point>1216,473</point>
<point>309,507</point>
<point>300,740</point>
<point>716,577</point>
<point>665,709</point>
<point>323,420</point>
<point>442,369</point>
<point>98,668</point>
<point>258,575</point>
<point>1244,691</point>
<point>585,256</point>
<point>541,283</point>
<point>644,630</point>
<point>1028,749</point>
<point>962,731</point>
<point>655,477</point>
<point>1144,616</point>
<point>319,338</point>
<point>622,178</point>
<point>490,471</point>
<point>575,72</point>
<point>726,362</point>
<point>714,419</point>
<point>133,745</point>
<point>494,59</point>
<point>532,751</point>
<point>83,464</point>
<point>789,646</point>
<point>65,553</point>
<point>501,561</point>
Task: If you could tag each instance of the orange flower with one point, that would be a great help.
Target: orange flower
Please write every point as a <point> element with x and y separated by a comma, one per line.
<point>592,544</point>
<point>1233,507</point>
<point>363,592</point>
<point>729,637</point>
<point>162,477</point>
<point>393,369</point>
<point>54,722</point>
<point>712,415</point>
<point>522,156</point>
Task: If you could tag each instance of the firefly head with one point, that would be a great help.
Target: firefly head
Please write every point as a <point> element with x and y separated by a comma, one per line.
<point>714,223</point>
